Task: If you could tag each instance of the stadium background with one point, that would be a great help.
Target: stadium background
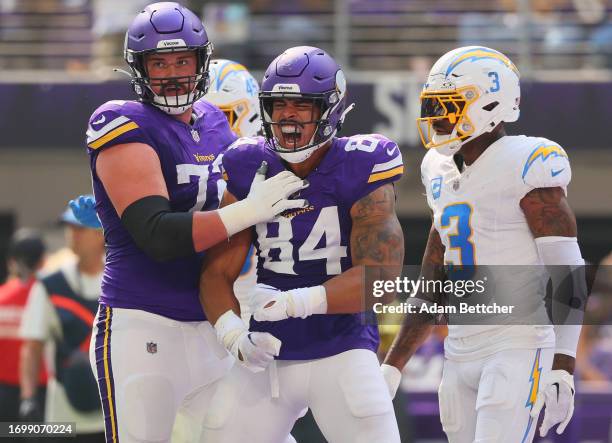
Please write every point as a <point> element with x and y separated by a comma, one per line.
<point>56,59</point>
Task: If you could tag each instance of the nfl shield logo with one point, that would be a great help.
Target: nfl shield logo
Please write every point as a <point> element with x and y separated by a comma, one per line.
<point>152,347</point>
<point>195,135</point>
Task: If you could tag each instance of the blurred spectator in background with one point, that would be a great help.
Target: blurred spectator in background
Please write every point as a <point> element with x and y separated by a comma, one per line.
<point>25,257</point>
<point>60,311</point>
<point>594,362</point>
<point>547,27</point>
<point>110,20</point>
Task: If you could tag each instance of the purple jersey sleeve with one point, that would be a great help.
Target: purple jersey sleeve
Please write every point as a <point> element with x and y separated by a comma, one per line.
<point>116,122</point>
<point>371,161</point>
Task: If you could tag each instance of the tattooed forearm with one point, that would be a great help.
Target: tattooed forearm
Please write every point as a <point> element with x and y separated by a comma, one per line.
<point>416,327</point>
<point>413,332</point>
<point>548,213</point>
<point>376,235</point>
<point>434,250</point>
<point>432,267</point>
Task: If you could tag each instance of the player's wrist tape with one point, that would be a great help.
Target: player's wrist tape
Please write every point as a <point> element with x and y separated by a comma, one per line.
<point>162,234</point>
<point>392,376</point>
<point>304,302</point>
<point>555,252</point>
<point>229,327</point>
<point>237,217</point>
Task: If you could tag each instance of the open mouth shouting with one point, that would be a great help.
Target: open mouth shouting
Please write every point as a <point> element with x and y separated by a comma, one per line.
<point>291,134</point>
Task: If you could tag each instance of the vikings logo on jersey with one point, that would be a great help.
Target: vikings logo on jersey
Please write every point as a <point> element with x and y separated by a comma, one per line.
<point>306,247</point>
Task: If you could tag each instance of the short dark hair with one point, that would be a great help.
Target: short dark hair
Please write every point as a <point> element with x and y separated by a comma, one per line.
<point>26,247</point>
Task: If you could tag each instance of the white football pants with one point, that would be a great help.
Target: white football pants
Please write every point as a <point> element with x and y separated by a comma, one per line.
<point>148,367</point>
<point>489,400</point>
<point>346,393</point>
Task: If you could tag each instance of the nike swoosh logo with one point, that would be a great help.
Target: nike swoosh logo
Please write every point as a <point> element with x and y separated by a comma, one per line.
<point>100,120</point>
<point>555,173</point>
<point>390,151</point>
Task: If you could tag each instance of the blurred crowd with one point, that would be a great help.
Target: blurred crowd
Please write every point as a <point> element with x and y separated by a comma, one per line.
<point>548,34</point>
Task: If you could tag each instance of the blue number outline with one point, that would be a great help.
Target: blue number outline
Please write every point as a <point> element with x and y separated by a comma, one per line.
<point>464,243</point>
<point>495,77</point>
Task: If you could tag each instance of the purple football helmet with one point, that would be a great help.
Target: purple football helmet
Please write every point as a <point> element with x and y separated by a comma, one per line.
<point>309,73</point>
<point>167,27</point>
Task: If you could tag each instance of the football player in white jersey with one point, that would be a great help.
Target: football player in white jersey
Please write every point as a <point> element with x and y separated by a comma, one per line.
<point>495,200</point>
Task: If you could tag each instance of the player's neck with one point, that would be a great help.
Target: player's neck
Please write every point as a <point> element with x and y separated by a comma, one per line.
<point>474,149</point>
<point>185,117</point>
<point>307,166</point>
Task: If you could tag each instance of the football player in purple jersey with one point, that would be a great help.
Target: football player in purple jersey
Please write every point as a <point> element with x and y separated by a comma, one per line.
<point>311,266</point>
<point>235,92</point>
<point>157,181</point>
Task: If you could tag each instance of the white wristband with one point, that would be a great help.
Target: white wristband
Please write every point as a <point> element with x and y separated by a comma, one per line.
<point>228,328</point>
<point>236,217</point>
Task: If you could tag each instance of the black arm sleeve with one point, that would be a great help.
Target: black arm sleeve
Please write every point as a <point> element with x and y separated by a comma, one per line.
<point>162,234</point>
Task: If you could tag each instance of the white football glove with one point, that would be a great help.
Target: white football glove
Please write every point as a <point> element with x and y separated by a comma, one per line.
<point>255,350</point>
<point>271,304</point>
<point>266,199</point>
<point>393,377</point>
<point>557,393</point>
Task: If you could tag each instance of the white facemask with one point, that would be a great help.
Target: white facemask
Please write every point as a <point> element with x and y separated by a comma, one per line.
<point>177,107</point>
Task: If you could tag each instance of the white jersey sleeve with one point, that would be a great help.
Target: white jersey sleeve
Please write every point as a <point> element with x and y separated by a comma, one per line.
<point>545,165</point>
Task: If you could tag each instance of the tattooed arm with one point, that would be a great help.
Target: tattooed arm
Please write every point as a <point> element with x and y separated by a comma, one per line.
<point>548,214</point>
<point>416,327</point>
<point>377,241</point>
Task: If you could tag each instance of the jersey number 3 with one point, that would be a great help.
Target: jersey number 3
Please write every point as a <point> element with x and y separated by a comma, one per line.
<point>460,238</point>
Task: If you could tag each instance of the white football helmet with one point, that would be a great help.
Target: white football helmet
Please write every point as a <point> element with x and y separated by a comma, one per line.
<point>235,91</point>
<point>474,88</point>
